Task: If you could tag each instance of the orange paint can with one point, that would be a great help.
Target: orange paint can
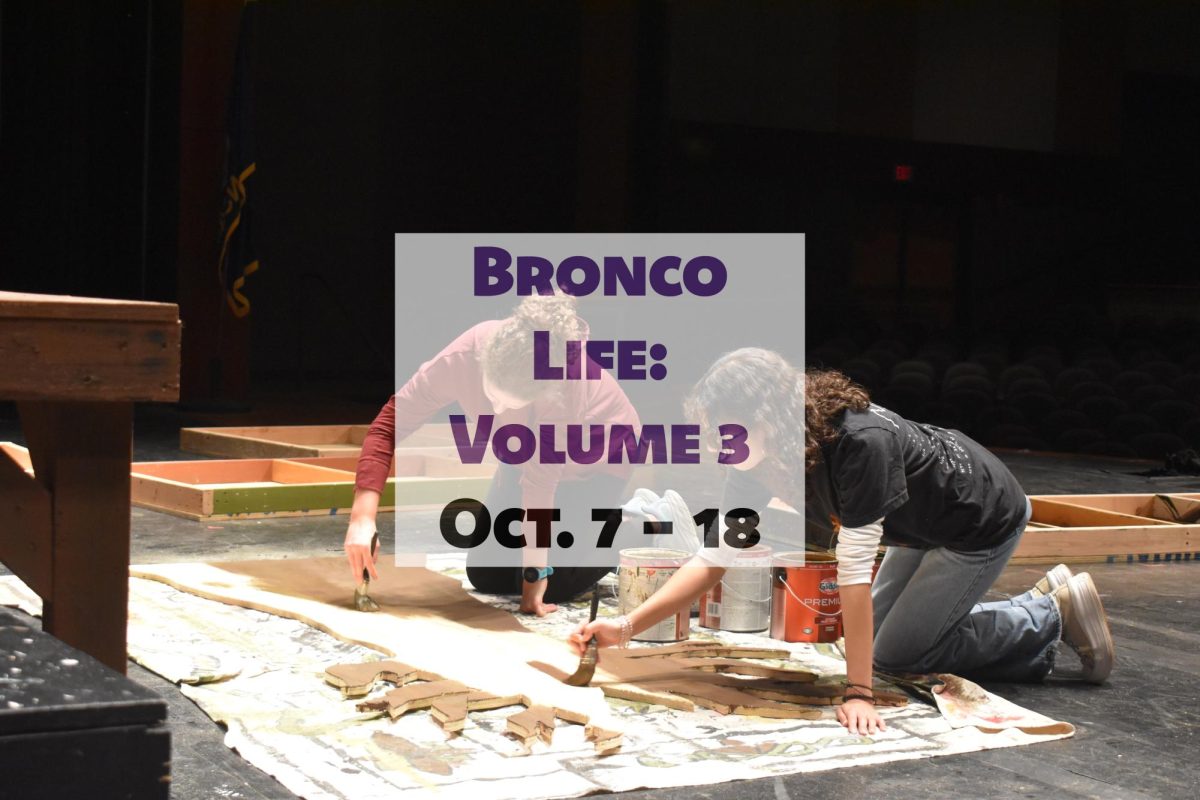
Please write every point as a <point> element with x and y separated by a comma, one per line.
<point>805,604</point>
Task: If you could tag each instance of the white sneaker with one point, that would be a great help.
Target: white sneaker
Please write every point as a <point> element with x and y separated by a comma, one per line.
<point>1085,627</point>
<point>1054,578</point>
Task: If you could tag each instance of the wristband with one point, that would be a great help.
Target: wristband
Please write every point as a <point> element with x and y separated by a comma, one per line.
<point>870,698</point>
<point>535,574</point>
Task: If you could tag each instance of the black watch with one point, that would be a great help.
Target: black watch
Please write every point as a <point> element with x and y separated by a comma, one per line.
<point>535,574</point>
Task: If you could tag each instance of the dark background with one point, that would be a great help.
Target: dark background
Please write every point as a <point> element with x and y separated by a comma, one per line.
<point>1050,222</point>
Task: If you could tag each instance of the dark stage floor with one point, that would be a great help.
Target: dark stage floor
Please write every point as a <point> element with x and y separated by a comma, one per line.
<point>1137,735</point>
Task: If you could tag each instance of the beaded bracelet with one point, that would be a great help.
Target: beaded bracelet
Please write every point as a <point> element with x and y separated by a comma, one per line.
<point>626,631</point>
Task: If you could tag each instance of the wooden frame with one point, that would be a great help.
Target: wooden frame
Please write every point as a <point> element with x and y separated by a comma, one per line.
<point>1111,528</point>
<point>305,441</point>
<point>264,487</point>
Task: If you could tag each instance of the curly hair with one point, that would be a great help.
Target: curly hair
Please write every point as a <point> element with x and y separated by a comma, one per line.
<point>507,357</point>
<point>756,387</point>
<point>827,395</point>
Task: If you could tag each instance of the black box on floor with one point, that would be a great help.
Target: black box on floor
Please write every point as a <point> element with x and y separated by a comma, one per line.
<point>72,727</point>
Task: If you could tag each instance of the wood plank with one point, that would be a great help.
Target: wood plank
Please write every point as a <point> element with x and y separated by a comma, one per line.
<point>216,443</point>
<point>709,650</point>
<point>170,496</point>
<point>535,722</point>
<point>413,696</point>
<point>119,360</point>
<point>1072,515</point>
<point>335,450</point>
<point>26,519</point>
<point>341,462</point>
<point>1133,504</point>
<point>283,471</point>
<point>306,512</point>
<point>23,305</point>
<point>200,473</point>
<point>1140,505</point>
<point>252,498</point>
<point>438,467</point>
<point>1123,558</point>
<point>80,453</point>
<point>421,492</point>
<point>357,680</point>
<point>1099,542</point>
<point>731,700</point>
<point>305,441</point>
<point>302,434</point>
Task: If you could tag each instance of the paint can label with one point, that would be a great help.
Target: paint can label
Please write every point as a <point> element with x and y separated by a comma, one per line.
<point>641,573</point>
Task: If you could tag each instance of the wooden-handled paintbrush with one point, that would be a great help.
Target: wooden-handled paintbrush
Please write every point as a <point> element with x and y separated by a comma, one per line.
<point>363,601</point>
<point>587,664</point>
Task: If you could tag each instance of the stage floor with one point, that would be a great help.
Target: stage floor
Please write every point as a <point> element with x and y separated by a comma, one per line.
<point>1136,735</point>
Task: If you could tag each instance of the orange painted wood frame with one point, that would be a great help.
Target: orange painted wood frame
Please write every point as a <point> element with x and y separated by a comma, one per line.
<point>1111,528</point>
<point>305,441</point>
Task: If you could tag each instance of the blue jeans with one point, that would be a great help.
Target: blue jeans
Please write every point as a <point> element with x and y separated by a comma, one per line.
<point>928,617</point>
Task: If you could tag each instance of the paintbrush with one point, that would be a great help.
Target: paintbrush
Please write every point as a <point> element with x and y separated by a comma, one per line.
<point>587,664</point>
<point>363,601</point>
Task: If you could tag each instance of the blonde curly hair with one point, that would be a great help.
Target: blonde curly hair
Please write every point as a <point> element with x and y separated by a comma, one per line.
<point>507,357</point>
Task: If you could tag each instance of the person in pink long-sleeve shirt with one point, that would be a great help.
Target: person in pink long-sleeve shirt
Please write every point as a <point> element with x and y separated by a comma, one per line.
<point>487,370</point>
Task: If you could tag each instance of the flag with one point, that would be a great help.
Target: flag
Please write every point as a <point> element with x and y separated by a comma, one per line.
<point>238,260</point>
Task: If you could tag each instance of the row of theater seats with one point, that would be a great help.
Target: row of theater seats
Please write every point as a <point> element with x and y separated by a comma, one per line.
<point>1138,401</point>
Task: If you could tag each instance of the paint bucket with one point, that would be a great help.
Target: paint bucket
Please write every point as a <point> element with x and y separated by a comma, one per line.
<point>741,602</point>
<point>805,599</point>
<point>642,572</point>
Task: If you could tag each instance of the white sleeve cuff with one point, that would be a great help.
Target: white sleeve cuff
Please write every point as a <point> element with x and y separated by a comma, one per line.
<point>856,551</point>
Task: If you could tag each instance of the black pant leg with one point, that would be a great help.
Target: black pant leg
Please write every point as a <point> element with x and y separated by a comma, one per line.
<point>565,583</point>
<point>505,492</point>
<point>602,491</point>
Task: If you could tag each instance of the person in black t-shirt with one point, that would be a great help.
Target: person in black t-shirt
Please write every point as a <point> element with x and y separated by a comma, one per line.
<point>950,512</point>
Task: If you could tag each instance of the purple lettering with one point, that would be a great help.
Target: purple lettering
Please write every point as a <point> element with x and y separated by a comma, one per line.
<point>534,274</point>
<point>733,445</point>
<point>653,440</point>
<point>491,271</point>
<point>542,370</point>
<point>716,271</point>
<point>685,444</point>
<point>595,449</point>
<point>631,360</point>
<point>526,443</point>
<point>658,276</point>
<point>471,451</point>
<point>632,279</point>
<point>566,275</point>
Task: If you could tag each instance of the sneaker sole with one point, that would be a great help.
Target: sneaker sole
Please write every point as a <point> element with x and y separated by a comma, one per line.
<point>1058,576</point>
<point>1088,612</point>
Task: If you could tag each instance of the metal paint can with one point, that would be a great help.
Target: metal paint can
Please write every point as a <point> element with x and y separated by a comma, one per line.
<point>804,593</point>
<point>741,602</point>
<point>642,572</point>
